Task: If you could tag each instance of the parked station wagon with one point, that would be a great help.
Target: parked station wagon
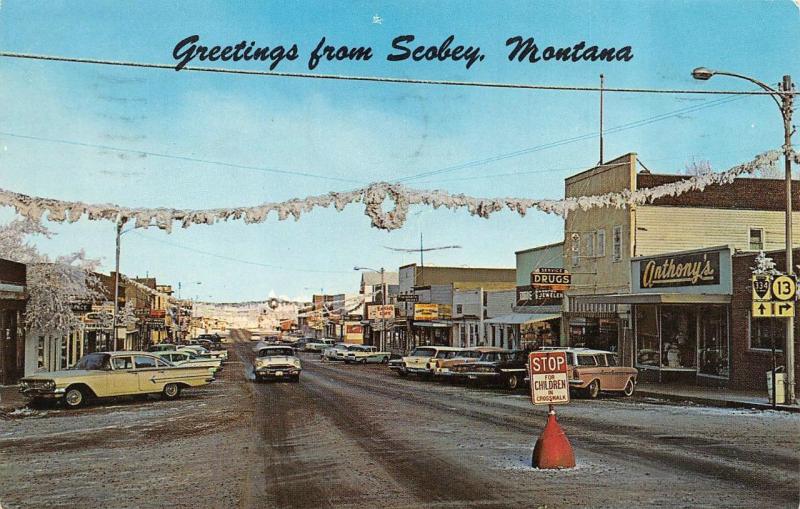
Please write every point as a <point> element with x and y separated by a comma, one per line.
<point>593,371</point>
<point>107,374</point>
<point>364,353</point>
<point>420,360</point>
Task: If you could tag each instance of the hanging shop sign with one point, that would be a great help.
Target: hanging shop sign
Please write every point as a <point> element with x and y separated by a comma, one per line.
<point>549,377</point>
<point>380,312</point>
<point>408,297</point>
<point>538,296</point>
<point>691,269</point>
<point>553,279</point>
<point>424,312</point>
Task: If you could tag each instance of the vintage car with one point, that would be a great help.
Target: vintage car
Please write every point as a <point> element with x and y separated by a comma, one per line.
<point>363,354</point>
<point>593,371</point>
<point>505,367</point>
<point>163,347</point>
<point>106,374</point>
<point>277,362</point>
<point>419,361</point>
<point>442,366</point>
<point>199,350</point>
<point>318,345</point>
<point>337,352</point>
<point>397,366</point>
<point>186,358</point>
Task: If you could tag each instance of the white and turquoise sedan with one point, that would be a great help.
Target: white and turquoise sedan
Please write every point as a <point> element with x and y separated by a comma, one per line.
<point>363,354</point>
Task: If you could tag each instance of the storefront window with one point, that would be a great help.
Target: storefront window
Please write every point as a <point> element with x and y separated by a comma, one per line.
<point>678,337</point>
<point>712,350</point>
<point>647,344</point>
<point>597,333</point>
<point>765,331</point>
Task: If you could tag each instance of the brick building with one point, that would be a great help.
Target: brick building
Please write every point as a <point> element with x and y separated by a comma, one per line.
<point>751,338</point>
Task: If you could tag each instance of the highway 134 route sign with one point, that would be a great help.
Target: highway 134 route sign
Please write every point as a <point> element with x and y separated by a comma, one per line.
<point>773,296</point>
<point>549,378</point>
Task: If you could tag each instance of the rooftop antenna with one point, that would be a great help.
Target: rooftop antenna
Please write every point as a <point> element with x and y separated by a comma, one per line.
<point>602,86</point>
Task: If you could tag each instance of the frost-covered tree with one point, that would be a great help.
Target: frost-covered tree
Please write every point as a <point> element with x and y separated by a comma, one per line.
<point>52,284</point>
<point>128,315</point>
<point>765,265</point>
<point>697,168</point>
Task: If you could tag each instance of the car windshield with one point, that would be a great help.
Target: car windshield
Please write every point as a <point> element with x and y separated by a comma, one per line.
<point>423,352</point>
<point>446,354</point>
<point>492,356</point>
<point>94,361</point>
<point>276,352</point>
<point>469,354</point>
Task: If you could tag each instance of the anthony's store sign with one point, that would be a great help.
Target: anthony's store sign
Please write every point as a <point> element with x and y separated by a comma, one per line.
<point>705,271</point>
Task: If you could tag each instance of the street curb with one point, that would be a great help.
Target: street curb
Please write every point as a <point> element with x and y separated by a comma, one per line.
<point>722,403</point>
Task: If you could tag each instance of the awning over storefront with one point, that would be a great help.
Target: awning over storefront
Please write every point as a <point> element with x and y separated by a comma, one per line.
<point>520,318</point>
<point>659,298</point>
<point>432,324</point>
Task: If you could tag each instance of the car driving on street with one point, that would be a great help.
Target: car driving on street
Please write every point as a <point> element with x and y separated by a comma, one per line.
<point>277,363</point>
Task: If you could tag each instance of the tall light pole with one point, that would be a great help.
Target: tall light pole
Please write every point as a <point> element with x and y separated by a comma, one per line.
<point>382,272</point>
<point>784,98</point>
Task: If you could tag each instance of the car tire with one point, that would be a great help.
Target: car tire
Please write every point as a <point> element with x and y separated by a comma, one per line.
<point>296,379</point>
<point>75,397</point>
<point>402,372</point>
<point>630,388</point>
<point>593,389</point>
<point>171,391</point>
<point>512,382</point>
<point>363,361</point>
<point>385,360</point>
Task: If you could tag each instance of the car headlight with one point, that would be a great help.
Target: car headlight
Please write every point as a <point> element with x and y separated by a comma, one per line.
<point>296,362</point>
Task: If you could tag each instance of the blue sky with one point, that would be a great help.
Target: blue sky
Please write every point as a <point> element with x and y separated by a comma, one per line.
<point>351,133</point>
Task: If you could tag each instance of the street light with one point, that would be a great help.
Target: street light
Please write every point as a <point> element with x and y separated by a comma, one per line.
<point>784,98</point>
<point>383,303</point>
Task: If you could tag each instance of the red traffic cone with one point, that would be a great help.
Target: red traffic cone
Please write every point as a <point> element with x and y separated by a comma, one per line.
<point>552,449</point>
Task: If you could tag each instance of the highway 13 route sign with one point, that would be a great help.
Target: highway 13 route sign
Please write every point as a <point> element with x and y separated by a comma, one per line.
<point>549,377</point>
<point>773,296</point>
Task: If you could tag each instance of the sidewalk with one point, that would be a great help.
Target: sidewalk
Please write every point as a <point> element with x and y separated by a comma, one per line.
<point>11,398</point>
<point>710,396</point>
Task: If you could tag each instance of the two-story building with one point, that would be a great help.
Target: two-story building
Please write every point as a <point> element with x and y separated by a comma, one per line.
<point>624,296</point>
<point>426,298</point>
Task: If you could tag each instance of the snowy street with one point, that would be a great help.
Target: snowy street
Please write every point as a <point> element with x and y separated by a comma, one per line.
<point>359,436</point>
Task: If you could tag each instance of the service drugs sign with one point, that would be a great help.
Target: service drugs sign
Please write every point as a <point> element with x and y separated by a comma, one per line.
<point>549,377</point>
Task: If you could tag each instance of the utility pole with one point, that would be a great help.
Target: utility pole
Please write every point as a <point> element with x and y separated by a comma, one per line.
<point>787,98</point>
<point>116,289</point>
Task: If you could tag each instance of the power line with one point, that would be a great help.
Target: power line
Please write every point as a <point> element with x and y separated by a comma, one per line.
<point>177,157</point>
<point>378,79</point>
<point>238,260</point>
<point>566,141</point>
